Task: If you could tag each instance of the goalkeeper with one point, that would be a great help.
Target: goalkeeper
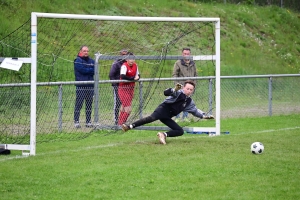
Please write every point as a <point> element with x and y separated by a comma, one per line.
<point>178,100</point>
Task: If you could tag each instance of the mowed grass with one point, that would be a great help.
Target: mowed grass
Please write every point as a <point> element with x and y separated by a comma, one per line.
<point>135,166</point>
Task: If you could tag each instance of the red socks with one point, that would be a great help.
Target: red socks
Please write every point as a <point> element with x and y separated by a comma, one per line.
<point>123,117</point>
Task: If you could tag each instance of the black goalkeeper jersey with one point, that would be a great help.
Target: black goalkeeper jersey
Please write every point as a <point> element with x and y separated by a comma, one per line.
<point>179,105</point>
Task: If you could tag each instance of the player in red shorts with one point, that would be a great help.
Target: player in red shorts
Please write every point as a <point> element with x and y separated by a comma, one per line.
<point>129,71</point>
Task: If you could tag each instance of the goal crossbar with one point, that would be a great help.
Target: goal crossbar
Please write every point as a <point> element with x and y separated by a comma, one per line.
<point>125,18</point>
<point>143,57</point>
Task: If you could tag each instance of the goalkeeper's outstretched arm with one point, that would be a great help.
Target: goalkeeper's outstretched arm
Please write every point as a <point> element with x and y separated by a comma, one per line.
<point>197,112</point>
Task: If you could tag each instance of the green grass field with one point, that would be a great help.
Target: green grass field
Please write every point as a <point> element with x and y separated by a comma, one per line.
<point>113,165</point>
<point>135,166</point>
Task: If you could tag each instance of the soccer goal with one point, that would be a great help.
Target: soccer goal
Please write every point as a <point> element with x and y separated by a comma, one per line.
<point>53,45</point>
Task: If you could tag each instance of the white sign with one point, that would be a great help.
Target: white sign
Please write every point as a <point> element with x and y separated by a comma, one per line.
<point>8,63</point>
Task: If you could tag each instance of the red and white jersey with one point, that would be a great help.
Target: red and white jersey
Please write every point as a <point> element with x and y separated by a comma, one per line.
<point>130,71</point>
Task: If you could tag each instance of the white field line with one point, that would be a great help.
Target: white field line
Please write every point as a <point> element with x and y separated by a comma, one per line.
<point>63,151</point>
<point>138,141</point>
<point>272,130</point>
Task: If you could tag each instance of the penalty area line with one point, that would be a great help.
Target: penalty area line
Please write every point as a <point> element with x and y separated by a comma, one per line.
<point>271,130</point>
<point>63,151</point>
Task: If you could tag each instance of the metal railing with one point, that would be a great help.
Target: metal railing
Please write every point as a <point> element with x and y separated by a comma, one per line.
<point>241,96</point>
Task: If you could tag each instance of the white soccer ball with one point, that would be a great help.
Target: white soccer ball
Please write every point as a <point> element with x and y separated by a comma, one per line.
<point>257,148</point>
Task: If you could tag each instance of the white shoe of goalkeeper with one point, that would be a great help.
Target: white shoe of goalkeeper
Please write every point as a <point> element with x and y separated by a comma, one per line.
<point>162,137</point>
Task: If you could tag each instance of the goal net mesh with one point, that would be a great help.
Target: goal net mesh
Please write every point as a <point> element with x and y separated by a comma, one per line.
<point>58,43</point>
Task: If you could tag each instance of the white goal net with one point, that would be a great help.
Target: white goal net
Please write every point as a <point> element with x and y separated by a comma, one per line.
<point>46,84</point>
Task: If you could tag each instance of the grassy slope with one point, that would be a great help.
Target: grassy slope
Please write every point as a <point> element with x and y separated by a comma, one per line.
<point>254,40</point>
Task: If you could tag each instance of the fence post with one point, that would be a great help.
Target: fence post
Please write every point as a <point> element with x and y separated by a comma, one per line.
<point>60,110</point>
<point>270,96</point>
<point>141,100</point>
<point>96,89</point>
<point>210,100</point>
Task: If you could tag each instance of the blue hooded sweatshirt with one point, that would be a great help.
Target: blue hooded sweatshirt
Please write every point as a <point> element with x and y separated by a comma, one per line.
<point>84,70</point>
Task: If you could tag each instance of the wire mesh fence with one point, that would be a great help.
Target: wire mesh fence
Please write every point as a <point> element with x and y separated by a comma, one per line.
<point>240,97</point>
<point>245,97</point>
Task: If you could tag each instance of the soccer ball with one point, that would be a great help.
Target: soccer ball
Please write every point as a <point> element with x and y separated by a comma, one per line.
<point>257,148</point>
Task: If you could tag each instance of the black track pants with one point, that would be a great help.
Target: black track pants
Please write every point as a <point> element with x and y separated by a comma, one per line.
<point>162,113</point>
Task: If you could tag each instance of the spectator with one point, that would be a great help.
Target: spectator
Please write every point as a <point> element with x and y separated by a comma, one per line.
<point>129,71</point>
<point>178,100</point>
<point>84,71</point>
<point>114,74</point>
<point>184,68</point>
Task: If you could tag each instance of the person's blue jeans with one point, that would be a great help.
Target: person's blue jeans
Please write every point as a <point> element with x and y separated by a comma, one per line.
<point>83,94</point>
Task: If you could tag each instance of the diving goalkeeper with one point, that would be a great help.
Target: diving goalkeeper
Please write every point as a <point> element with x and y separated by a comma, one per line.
<point>178,100</point>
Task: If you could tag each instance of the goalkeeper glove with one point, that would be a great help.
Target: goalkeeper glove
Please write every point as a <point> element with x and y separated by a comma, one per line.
<point>178,86</point>
<point>208,117</point>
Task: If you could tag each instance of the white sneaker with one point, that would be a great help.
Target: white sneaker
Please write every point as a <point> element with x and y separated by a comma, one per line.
<point>89,125</point>
<point>162,137</point>
<point>77,125</point>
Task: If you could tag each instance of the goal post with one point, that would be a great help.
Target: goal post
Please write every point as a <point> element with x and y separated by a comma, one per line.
<point>215,57</point>
<point>155,41</point>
